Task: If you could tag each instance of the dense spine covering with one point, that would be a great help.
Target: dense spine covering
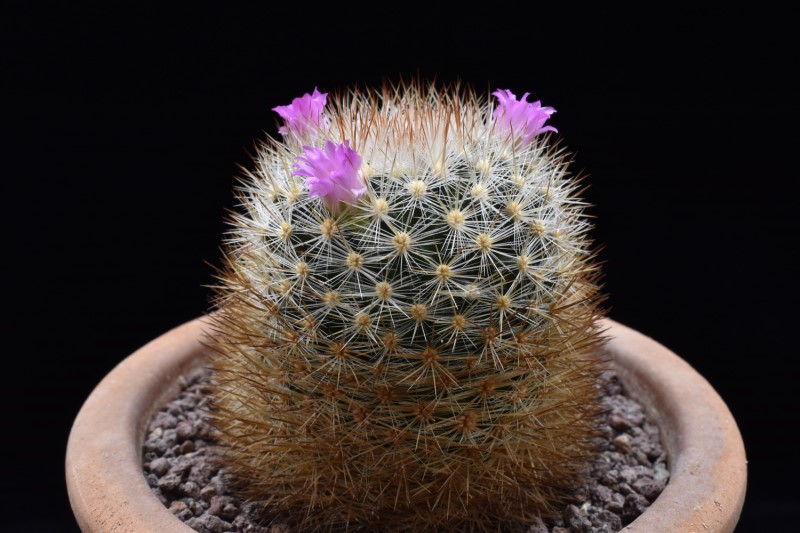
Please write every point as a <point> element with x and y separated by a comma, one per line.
<point>419,358</point>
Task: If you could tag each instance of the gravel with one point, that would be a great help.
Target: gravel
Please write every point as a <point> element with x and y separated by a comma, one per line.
<point>179,466</point>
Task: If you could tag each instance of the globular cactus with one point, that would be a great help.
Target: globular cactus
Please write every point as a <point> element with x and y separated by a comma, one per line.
<point>407,317</point>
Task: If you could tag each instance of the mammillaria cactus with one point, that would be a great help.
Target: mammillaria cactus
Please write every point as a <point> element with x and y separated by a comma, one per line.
<point>407,318</point>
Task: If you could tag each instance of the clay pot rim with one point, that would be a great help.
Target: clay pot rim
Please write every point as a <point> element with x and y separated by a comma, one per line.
<point>108,492</point>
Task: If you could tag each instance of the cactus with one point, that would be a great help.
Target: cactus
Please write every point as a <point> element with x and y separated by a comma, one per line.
<point>407,315</point>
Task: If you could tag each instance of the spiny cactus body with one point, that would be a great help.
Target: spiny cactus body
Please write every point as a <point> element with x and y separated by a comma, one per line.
<point>418,358</point>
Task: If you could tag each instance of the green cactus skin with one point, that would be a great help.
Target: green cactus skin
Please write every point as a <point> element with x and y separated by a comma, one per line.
<point>423,360</point>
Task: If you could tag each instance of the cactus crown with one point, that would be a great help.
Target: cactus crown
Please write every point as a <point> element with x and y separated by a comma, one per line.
<point>407,315</point>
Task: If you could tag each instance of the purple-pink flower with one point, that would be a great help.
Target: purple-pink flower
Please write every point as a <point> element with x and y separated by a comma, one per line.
<point>524,120</point>
<point>331,173</point>
<point>303,114</point>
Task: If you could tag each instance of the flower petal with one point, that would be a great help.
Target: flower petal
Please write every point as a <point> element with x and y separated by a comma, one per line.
<point>331,173</point>
<point>519,118</point>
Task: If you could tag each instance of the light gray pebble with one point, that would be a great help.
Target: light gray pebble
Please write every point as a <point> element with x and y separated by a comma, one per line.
<point>641,457</point>
<point>624,488</point>
<point>169,483</point>
<point>201,473</point>
<point>159,466</point>
<point>155,446</point>
<point>661,472</point>
<point>207,523</point>
<point>180,509</point>
<point>622,443</point>
<point>652,452</point>
<point>611,478</point>
<point>618,420</point>
<point>635,415</point>
<point>190,489</point>
<point>170,437</point>
<point>218,503</point>
<point>576,520</point>
<point>635,504</point>
<point>165,420</point>
<point>185,430</point>
<point>208,492</point>
<point>229,511</point>
<point>181,465</point>
<point>196,506</point>
<point>627,474</point>
<point>616,503</point>
<point>218,484</point>
<point>602,495</point>
<point>648,487</point>
<point>607,522</point>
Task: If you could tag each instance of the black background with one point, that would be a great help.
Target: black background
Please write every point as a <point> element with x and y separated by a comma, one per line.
<point>124,127</point>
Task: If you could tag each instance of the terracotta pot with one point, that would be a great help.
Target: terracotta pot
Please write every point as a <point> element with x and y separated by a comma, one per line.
<point>108,491</point>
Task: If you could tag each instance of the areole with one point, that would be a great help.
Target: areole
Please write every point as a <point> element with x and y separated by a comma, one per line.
<point>707,463</point>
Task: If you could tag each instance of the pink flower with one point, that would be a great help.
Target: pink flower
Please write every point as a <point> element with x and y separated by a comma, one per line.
<point>303,114</point>
<point>524,120</point>
<point>331,173</point>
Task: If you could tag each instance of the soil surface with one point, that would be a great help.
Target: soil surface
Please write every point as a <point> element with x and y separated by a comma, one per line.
<point>179,466</point>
